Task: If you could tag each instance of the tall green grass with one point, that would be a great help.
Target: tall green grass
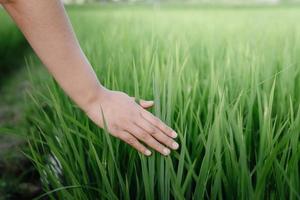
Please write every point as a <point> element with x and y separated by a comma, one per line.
<point>227,80</point>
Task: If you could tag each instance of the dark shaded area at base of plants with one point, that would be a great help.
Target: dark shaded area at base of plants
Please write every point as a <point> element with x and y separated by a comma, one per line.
<point>18,178</point>
<point>12,56</point>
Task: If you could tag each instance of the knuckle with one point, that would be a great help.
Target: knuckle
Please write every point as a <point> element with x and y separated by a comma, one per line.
<point>170,143</point>
<point>121,135</point>
<point>156,122</point>
<point>131,140</point>
<point>168,130</point>
<point>165,140</point>
<point>141,112</point>
<point>157,145</point>
<point>127,126</point>
<point>153,131</point>
<point>137,117</point>
<point>165,128</point>
<point>145,137</point>
<point>161,148</point>
<point>118,134</point>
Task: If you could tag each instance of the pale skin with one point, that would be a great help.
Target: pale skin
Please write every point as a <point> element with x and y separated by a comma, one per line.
<point>48,30</point>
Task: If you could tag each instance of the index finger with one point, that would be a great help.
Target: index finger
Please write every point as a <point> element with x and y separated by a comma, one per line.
<point>158,123</point>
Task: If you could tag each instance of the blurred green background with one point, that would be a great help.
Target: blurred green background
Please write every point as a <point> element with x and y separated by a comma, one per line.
<point>18,177</point>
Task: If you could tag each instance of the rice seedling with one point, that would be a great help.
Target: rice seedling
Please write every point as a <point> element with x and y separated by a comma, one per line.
<point>226,79</point>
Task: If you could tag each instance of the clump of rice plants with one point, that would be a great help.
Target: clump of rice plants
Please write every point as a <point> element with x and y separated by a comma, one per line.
<point>226,79</point>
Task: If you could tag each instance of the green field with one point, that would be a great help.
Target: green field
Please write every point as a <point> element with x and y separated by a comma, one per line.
<point>226,79</point>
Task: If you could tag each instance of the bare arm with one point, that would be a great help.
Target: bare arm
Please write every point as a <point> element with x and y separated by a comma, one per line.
<point>48,30</point>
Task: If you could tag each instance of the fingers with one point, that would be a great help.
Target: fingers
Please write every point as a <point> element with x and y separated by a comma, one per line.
<point>142,135</point>
<point>132,141</point>
<point>146,104</point>
<point>158,123</point>
<point>157,134</point>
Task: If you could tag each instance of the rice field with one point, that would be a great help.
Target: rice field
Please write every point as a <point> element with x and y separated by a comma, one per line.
<point>227,79</point>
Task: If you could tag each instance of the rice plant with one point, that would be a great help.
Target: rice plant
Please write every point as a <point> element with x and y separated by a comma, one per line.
<point>226,79</point>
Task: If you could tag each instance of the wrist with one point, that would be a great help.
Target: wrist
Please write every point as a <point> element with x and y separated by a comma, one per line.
<point>94,103</point>
<point>96,96</point>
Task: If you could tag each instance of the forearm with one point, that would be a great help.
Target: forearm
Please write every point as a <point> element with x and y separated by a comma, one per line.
<point>48,30</point>
<point>46,27</point>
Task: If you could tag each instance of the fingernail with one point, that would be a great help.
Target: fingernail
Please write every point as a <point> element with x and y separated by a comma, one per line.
<point>148,153</point>
<point>174,134</point>
<point>149,103</point>
<point>175,145</point>
<point>166,151</point>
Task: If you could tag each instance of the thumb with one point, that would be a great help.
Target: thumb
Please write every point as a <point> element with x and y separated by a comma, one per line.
<point>146,104</point>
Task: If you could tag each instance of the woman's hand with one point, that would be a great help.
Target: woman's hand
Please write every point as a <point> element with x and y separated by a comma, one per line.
<point>130,122</point>
<point>49,32</point>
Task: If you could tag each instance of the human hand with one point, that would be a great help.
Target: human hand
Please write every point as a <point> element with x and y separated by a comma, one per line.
<point>130,122</point>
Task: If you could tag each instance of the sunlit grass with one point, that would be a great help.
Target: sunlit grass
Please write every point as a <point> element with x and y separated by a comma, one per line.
<point>227,80</point>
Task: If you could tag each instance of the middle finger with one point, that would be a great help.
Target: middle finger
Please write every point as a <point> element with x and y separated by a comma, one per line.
<point>142,135</point>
